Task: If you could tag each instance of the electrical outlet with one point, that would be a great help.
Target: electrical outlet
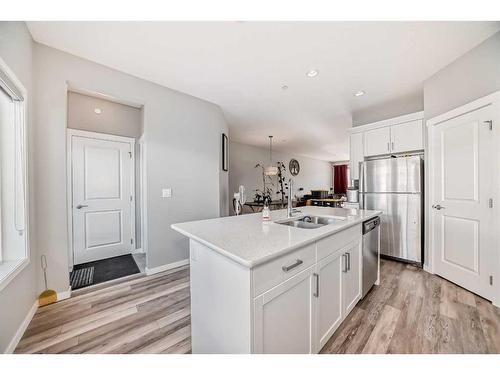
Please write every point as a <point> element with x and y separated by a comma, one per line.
<point>166,193</point>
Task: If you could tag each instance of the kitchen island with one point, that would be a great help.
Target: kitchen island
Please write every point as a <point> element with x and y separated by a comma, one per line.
<point>282,286</point>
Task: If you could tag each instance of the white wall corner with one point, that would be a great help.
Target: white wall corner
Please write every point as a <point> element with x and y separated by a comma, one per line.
<point>22,328</point>
<point>166,267</point>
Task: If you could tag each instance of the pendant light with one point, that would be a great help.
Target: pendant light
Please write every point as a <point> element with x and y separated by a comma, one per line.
<point>271,170</point>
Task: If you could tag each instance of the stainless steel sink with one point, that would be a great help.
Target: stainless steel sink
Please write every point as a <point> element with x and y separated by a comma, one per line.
<point>312,222</point>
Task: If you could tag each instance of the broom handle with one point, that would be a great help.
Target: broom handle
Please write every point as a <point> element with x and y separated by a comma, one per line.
<point>44,267</point>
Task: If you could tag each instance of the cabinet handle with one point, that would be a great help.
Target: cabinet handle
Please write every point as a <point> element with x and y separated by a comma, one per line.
<point>348,261</point>
<point>388,146</point>
<point>298,262</point>
<point>344,257</point>
<point>392,146</point>
<point>316,294</point>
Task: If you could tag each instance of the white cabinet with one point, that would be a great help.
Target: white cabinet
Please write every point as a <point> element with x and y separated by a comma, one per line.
<point>407,137</point>
<point>392,136</point>
<point>357,154</point>
<point>291,304</point>
<point>302,313</point>
<point>329,307</point>
<point>284,316</point>
<point>351,279</point>
<point>378,141</point>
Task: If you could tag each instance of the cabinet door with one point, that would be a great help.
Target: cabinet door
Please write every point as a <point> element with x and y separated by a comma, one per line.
<point>356,154</point>
<point>329,307</point>
<point>378,141</point>
<point>284,316</point>
<point>351,272</point>
<point>407,137</point>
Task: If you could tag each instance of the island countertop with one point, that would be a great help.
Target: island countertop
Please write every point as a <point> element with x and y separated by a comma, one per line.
<point>248,240</point>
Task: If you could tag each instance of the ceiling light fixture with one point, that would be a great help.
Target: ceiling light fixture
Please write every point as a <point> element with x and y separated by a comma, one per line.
<point>312,73</point>
<point>271,170</point>
<point>98,111</point>
<point>284,87</point>
<point>359,93</point>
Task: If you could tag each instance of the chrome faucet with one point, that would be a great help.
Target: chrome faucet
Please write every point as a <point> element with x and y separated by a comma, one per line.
<point>289,205</point>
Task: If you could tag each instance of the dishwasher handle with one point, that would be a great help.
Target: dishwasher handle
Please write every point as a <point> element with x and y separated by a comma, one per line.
<point>370,225</point>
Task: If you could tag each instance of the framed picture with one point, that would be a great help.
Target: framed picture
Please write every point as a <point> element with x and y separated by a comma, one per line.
<point>225,153</point>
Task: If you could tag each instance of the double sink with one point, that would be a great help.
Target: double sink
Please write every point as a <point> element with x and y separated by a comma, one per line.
<point>312,222</point>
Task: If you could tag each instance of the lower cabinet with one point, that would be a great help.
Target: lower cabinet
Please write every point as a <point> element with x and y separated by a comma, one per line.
<point>302,313</point>
<point>351,283</point>
<point>329,300</point>
<point>284,316</point>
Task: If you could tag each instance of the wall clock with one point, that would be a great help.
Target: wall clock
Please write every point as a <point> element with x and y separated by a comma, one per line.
<point>294,167</point>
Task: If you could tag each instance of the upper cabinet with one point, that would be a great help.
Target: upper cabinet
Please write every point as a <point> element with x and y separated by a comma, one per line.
<point>357,154</point>
<point>378,141</point>
<point>393,136</point>
<point>407,137</point>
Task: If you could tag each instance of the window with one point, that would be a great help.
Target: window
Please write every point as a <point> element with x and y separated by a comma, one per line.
<point>13,211</point>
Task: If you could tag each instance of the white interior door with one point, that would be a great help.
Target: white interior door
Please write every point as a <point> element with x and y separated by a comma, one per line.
<point>464,232</point>
<point>102,184</point>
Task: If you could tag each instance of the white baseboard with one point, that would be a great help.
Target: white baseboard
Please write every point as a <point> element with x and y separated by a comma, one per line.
<point>166,267</point>
<point>137,251</point>
<point>64,295</point>
<point>22,328</point>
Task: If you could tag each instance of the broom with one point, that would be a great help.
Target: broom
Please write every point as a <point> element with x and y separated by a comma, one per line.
<point>48,296</point>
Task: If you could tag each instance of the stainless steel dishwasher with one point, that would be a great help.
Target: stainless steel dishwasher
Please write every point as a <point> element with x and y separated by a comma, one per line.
<point>371,234</point>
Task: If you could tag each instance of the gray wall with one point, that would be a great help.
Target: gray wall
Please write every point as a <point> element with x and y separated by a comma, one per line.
<point>473,75</point>
<point>17,298</point>
<point>412,102</point>
<point>182,134</point>
<point>117,119</point>
<point>314,174</point>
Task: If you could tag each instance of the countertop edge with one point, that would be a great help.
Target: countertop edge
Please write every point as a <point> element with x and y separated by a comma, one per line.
<point>277,254</point>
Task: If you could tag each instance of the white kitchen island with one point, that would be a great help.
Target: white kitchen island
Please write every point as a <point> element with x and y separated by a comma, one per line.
<point>265,287</point>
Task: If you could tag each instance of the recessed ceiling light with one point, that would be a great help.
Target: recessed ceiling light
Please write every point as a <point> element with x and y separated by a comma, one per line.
<point>98,111</point>
<point>312,73</point>
<point>359,93</point>
<point>284,87</point>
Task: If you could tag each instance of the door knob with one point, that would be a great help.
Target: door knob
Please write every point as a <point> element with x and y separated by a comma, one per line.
<point>80,206</point>
<point>438,207</point>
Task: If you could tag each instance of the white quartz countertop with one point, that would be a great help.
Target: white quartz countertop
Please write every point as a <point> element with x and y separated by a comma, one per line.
<point>248,240</point>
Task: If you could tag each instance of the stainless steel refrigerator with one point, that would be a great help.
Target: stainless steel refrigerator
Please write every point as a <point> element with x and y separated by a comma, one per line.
<point>395,186</point>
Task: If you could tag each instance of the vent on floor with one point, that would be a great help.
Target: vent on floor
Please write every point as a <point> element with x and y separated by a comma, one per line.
<point>81,277</point>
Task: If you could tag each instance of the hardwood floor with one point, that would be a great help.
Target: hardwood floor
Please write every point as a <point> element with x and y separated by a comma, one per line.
<point>410,312</point>
<point>149,314</point>
<point>413,311</point>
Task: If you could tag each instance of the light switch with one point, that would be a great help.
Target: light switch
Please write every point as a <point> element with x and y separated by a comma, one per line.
<point>166,193</point>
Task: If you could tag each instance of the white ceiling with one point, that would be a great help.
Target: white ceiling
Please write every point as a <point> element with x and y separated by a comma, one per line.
<point>242,66</point>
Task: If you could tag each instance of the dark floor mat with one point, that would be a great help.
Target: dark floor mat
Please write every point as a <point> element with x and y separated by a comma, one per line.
<point>104,270</point>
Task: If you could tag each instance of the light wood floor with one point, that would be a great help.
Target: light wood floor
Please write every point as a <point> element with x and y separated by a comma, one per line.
<point>149,314</point>
<point>413,311</point>
<point>410,312</point>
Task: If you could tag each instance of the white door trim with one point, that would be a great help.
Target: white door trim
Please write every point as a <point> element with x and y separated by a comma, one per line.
<point>144,195</point>
<point>492,99</point>
<point>69,181</point>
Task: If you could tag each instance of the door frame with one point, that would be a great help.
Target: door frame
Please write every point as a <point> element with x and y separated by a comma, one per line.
<point>488,100</point>
<point>69,181</point>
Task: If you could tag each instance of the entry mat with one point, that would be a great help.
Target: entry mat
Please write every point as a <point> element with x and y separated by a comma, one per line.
<point>99,271</point>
